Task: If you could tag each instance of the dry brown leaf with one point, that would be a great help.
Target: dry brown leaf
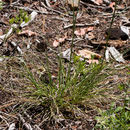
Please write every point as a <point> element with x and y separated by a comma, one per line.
<point>28,33</point>
<point>1,32</point>
<point>90,36</point>
<point>57,42</point>
<point>90,28</point>
<point>83,31</point>
<point>98,2</point>
<point>112,4</point>
<point>80,32</point>
<point>88,54</point>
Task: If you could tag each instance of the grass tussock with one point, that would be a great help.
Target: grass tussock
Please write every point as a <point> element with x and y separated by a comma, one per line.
<point>63,93</point>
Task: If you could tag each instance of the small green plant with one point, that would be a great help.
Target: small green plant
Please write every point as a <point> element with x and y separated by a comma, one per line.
<point>18,19</point>
<point>1,4</point>
<point>115,118</point>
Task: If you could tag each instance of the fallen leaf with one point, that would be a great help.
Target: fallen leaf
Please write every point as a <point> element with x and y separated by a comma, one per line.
<point>97,2</point>
<point>112,4</point>
<point>80,32</point>
<point>1,32</point>
<point>87,54</point>
<point>27,33</point>
<point>83,31</point>
<point>62,39</point>
<point>90,29</point>
<point>89,36</point>
<point>57,42</point>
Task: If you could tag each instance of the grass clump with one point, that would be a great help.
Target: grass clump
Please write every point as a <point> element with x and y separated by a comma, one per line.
<point>73,84</point>
<point>62,93</point>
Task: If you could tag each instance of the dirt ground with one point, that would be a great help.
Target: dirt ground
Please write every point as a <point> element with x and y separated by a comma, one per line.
<point>16,104</point>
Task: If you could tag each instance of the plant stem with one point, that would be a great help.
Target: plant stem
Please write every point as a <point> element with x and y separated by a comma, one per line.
<point>72,43</point>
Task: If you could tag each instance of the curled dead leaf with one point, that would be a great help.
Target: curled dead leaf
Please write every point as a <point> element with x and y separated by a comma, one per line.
<point>57,42</point>
<point>83,31</point>
<point>90,36</point>
<point>80,32</point>
<point>1,32</point>
<point>88,54</point>
<point>98,2</point>
<point>112,4</point>
<point>91,56</point>
<point>27,33</point>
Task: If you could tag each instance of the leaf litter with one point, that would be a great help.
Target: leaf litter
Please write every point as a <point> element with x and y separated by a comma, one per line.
<point>15,50</point>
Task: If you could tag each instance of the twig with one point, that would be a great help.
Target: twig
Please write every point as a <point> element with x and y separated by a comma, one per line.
<point>47,3</point>
<point>50,9</point>
<point>27,125</point>
<point>44,120</point>
<point>63,19</point>
<point>4,119</point>
<point>6,105</point>
<point>15,2</point>
<point>80,25</point>
<point>27,115</point>
<point>5,36</point>
<point>30,10</point>
<point>18,48</point>
<point>3,113</point>
<point>36,127</point>
<point>12,126</point>
<point>93,6</point>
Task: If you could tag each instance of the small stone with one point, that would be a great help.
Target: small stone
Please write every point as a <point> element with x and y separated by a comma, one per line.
<point>116,33</point>
<point>1,59</point>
